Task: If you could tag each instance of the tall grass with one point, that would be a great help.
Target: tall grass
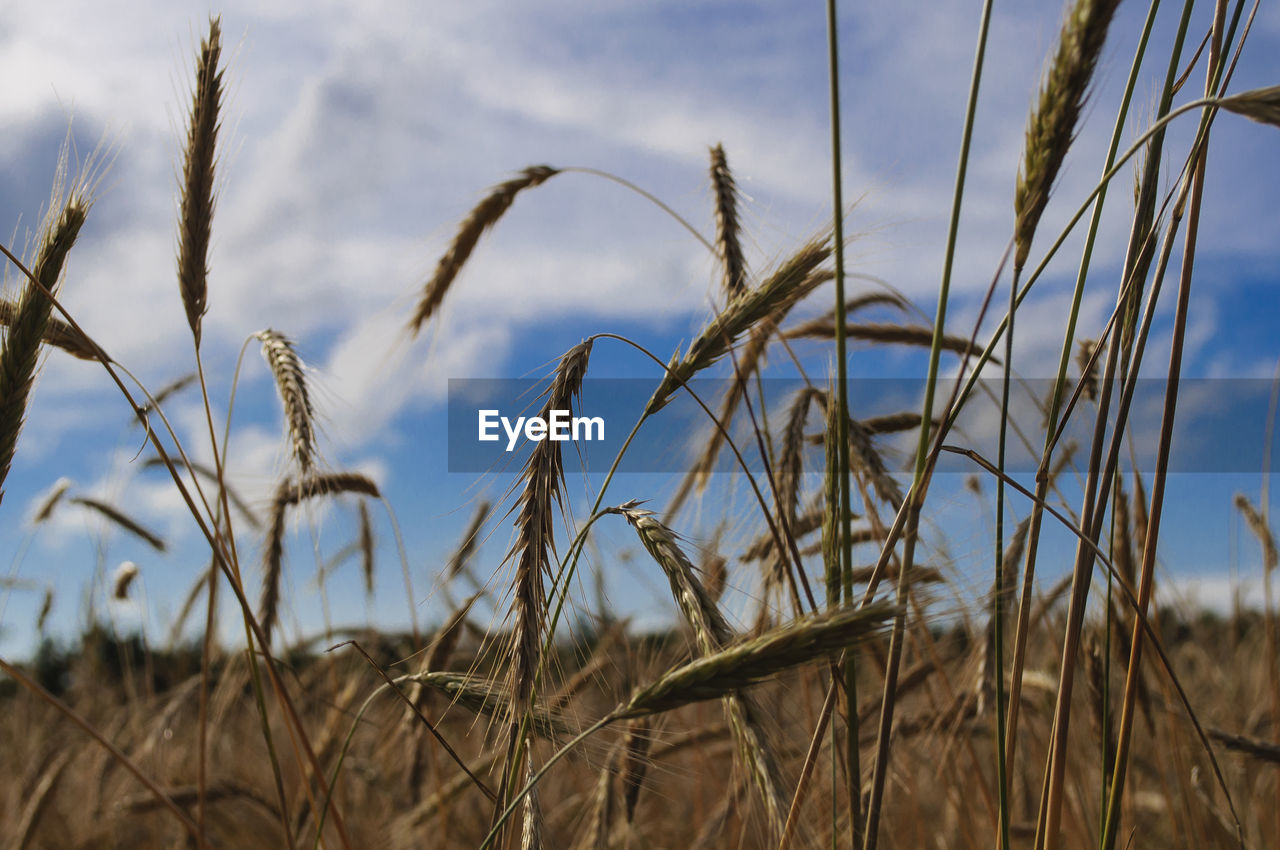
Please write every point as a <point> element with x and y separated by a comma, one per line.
<point>882,714</point>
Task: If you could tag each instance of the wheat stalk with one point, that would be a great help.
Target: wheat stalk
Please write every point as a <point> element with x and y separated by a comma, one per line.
<point>197,181</point>
<point>286,368</point>
<point>917,335</point>
<point>481,218</point>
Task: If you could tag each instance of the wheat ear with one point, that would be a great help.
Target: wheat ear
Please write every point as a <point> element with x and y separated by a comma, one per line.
<point>57,333</point>
<point>367,545</point>
<point>197,181</point>
<point>122,580</point>
<point>1261,529</point>
<point>543,478</point>
<point>481,218</point>
<point>726,198</point>
<point>795,278</point>
<point>802,641</point>
<point>917,335</point>
<point>466,548</point>
<point>1052,125</point>
<point>287,369</point>
<point>866,461</point>
<point>491,699</point>
<point>51,500</point>
<point>20,353</point>
<point>603,802</point>
<point>292,493</point>
<point>120,518</point>
<point>791,458</point>
<point>712,633</point>
<point>46,607</point>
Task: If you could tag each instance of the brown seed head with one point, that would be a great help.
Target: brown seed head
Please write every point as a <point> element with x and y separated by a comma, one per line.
<point>726,199</point>
<point>481,218</point>
<point>287,369</point>
<point>1052,125</point>
<point>197,181</point>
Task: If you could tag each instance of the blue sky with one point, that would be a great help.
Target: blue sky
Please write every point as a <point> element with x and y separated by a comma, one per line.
<point>356,136</point>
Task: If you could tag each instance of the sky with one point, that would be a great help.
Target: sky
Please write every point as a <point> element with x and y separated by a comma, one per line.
<point>356,136</point>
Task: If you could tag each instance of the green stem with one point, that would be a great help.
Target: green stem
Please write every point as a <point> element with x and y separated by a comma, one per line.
<point>843,523</point>
<point>916,497</point>
<point>1064,359</point>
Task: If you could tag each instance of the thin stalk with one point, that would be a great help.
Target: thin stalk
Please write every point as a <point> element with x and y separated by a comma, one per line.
<point>844,521</point>
<point>1092,519</point>
<point>916,497</point>
<point>1131,596</point>
<point>622,181</point>
<point>997,601</point>
<point>810,762</point>
<point>1153,526</point>
<point>224,511</point>
<point>1064,360</point>
<point>961,393</point>
<point>1166,436</point>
